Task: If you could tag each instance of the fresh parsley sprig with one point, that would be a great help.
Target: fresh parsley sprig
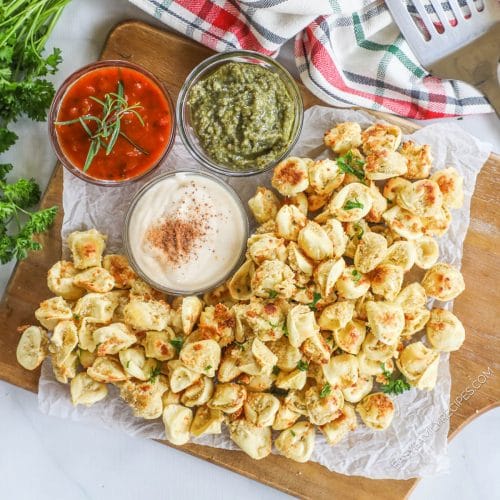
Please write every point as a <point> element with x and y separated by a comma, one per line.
<point>316,298</point>
<point>394,385</point>
<point>107,127</point>
<point>15,200</point>
<point>350,204</point>
<point>350,164</point>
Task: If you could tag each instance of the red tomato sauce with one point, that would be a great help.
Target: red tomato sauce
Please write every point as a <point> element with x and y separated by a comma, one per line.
<point>125,161</point>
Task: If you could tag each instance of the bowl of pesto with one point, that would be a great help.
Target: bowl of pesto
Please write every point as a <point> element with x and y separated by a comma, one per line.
<point>239,113</point>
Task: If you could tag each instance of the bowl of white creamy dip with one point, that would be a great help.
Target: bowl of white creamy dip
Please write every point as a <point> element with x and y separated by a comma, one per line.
<point>185,232</point>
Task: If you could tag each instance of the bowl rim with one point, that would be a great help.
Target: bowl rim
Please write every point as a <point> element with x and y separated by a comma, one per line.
<point>68,82</point>
<point>137,197</point>
<point>197,73</point>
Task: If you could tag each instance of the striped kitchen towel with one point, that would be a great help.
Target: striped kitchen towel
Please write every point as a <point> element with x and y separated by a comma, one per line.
<point>348,52</point>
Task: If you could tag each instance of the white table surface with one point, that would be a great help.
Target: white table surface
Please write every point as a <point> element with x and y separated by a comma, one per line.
<point>47,458</point>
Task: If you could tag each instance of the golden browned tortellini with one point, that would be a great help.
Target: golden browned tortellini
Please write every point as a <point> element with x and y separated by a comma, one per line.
<point>341,370</point>
<point>253,440</point>
<point>97,307</point>
<point>300,201</point>
<point>145,398</point>
<point>299,262</point>
<point>419,159</point>
<point>87,248</point>
<point>351,336</point>
<point>393,186</point>
<point>95,279</point>
<point>323,403</point>
<point>419,365</point>
<point>402,254</point>
<point>375,350</point>
<point>285,417</point>
<point>53,310</point>
<point>343,137</point>
<point>426,252</point>
<point>379,204</point>
<point>290,176</point>
<point>451,185</point>
<point>370,252</point>
<point>177,420</point>
<point>351,203</point>
<point>337,235</point>
<point>415,320</point>
<point>445,331</point>
<point>60,280</point>
<point>258,359</point>
<point>336,430</point>
<point>113,338</point>
<point>263,247</point>
<point>386,320</point>
<point>86,334</point>
<point>287,355</point>
<point>264,205</point>
<point>201,357</point>
<point>135,363</point>
<point>387,280</point>
<point>352,284</point>
<point>86,391</point>
<point>301,324</point>
<point>381,137</point>
<point>63,341</point>
<point>422,198</point>
<point>314,242</point>
<point>158,345</point>
<point>198,393</point>
<point>119,267</point>
<point>412,297</point>
<point>228,398</point>
<point>381,165</point>
<point>326,275</point>
<point>289,221</point>
<point>66,370</point>
<point>206,421</point>
<point>336,316</point>
<point>179,376</point>
<point>273,278</point>
<point>107,369</point>
<point>297,442</point>
<point>240,284</point>
<point>355,392</point>
<point>294,380</point>
<point>260,408</point>
<point>404,223</point>
<point>316,349</point>
<point>376,410</point>
<point>147,314</point>
<point>86,358</point>
<point>438,224</point>
<point>32,348</point>
<point>219,320</point>
<point>324,177</point>
<point>443,282</point>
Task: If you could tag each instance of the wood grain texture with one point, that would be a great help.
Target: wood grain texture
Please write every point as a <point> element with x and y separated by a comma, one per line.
<point>171,58</point>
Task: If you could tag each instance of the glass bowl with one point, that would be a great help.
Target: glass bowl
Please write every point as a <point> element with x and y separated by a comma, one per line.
<point>59,99</point>
<point>209,252</point>
<point>203,70</point>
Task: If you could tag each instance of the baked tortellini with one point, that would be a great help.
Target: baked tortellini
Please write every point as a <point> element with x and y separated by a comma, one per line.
<point>328,314</point>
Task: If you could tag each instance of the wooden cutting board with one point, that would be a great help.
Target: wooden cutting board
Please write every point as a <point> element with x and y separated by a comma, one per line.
<point>171,58</point>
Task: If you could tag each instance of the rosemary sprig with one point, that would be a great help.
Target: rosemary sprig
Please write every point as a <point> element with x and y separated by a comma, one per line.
<point>114,107</point>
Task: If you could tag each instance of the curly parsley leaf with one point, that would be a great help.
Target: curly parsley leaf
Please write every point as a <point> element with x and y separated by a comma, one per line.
<point>356,275</point>
<point>302,365</point>
<point>177,343</point>
<point>325,390</point>
<point>272,293</point>
<point>154,374</point>
<point>351,204</point>
<point>394,385</point>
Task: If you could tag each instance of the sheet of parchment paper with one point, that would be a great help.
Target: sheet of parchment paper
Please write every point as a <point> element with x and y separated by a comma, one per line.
<point>415,444</point>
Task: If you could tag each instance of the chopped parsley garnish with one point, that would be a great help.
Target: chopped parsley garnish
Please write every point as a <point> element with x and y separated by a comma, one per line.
<point>349,164</point>
<point>325,390</point>
<point>292,432</point>
<point>128,364</point>
<point>285,329</point>
<point>154,374</point>
<point>76,317</point>
<point>359,230</point>
<point>316,299</point>
<point>351,204</point>
<point>272,293</point>
<point>396,385</point>
<point>177,343</point>
<point>208,367</point>
<point>276,370</point>
<point>356,275</point>
<point>302,365</point>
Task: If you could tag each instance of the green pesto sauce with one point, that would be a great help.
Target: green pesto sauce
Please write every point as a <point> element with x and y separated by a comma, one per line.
<point>243,115</point>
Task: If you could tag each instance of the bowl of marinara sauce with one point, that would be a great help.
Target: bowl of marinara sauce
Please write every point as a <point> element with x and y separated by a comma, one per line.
<point>112,122</point>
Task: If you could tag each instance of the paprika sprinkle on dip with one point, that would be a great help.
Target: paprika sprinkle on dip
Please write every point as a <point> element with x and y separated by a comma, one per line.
<point>185,232</point>
<point>112,122</point>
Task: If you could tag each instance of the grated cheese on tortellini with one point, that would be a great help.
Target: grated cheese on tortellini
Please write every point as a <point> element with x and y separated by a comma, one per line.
<point>326,317</point>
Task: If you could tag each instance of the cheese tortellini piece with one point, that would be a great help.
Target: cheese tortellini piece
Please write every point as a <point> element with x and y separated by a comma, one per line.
<point>291,176</point>
<point>60,280</point>
<point>95,279</point>
<point>297,442</point>
<point>419,365</point>
<point>384,164</point>
<point>264,205</point>
<point>387,280</point>
<point>381,137</point>
<point>86,391</point>
<point>253,440</point>
<point>53,310</point>
<point>87,248</point>
<point>113,338</point>
<point>422,198</point>
<point>370,252</point>
<point>325,176</point>
<point>301,324</point>
<point>228,398</point>
<point>426,252</point>
<point>386,320</point>
<point>451,186</point>
<point>376,410</point>
<point>351,203</point>
<point>336,430</point>
<point>147,314</point>
<point>206,421</point>
<point>289,221</point>
<point>260,408</point>
<point>443,282</point>
<point>273,277</point>
<point>177,420</point>
<point>343,137</point>
<point>119,268</point>
<point>314,242</point>
<point>419,159</point>
<point>201,357</point>
<point>445,331</point>
<point>32,348</point>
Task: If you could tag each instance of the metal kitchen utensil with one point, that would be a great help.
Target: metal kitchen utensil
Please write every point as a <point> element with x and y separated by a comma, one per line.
<point>464,48</point>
